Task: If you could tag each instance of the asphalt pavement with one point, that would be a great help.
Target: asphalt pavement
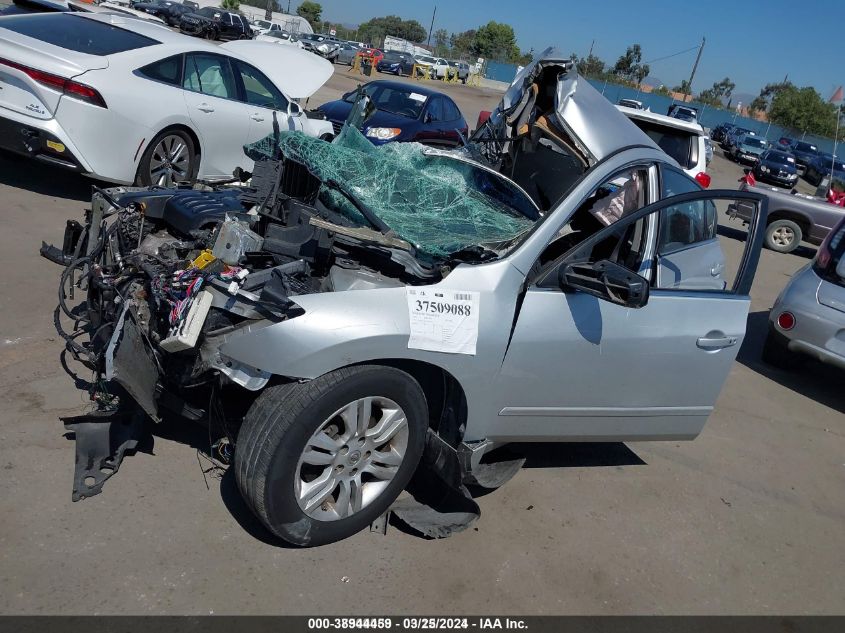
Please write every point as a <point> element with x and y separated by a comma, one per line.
<point>747,519</point>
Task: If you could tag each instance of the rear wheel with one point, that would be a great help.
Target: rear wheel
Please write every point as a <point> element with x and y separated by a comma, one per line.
<point>783,236</point>
<point>170,158</point>
<point>319,461</point>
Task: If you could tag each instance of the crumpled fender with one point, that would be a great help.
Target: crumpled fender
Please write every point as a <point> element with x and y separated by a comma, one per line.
<point>372,324</point>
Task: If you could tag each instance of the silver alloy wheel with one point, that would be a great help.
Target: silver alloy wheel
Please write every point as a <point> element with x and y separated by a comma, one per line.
<point>170,162</point>
<point>351,459</point>
<point>783,236</point>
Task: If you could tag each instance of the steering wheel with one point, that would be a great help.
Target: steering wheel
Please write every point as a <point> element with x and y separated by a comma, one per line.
<point>408,112</point>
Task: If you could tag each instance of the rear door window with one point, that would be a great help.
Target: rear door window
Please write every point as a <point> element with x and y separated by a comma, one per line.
<point>211,75</point>
<point>450,111</point>
<point>77,33</point>
<point>434,112</point>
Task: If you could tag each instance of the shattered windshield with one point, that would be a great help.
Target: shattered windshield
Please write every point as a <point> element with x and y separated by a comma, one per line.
<point>438,204</point>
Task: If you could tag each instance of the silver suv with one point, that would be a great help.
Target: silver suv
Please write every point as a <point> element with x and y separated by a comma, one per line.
<point>358,307</point>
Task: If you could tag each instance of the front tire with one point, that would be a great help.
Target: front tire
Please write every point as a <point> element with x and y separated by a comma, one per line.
<point>319,461</point>
<point>783,236</point>
<point>171,157</point>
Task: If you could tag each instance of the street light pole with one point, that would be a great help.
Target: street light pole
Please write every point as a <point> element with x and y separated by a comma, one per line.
<point>430,28</point>
<point>694,68</point>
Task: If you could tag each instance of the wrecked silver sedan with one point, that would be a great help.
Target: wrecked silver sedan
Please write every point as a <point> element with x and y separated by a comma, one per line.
<point>359,314</point>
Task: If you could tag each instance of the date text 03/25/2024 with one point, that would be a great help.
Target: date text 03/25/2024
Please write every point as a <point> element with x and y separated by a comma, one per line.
<point>417,623</point>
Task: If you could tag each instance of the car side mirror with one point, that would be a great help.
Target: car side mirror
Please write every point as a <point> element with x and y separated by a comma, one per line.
<point>294,109</point>
<point>428,118</point>
<point>606,280</point>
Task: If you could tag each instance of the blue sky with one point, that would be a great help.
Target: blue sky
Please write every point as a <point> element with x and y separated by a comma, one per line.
<point>753,42</point>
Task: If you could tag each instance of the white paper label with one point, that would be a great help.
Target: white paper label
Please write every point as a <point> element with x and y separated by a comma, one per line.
<point>417,96</point>
<point>443,320</point>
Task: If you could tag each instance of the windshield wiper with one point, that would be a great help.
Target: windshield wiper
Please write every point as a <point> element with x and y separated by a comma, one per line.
<point>363,209</point>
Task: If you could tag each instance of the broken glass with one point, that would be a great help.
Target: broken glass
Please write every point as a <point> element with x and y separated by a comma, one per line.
<point>438,204</point>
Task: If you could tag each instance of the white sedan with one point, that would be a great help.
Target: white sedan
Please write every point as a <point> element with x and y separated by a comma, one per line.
<point>126,101</point>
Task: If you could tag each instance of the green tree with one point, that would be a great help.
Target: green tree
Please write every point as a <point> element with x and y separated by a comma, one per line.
<point>590,66</point>
<point>230,5</point>
<point>802,110</point>
<point>683,88</point>
<point>461,43</point>
<point>441,42</point>
<point>716,95</point>
<point>661,90</point>
<point>628,66</point>
<point>496,41</point>
<point>376,29</point>
<point>311,11</point>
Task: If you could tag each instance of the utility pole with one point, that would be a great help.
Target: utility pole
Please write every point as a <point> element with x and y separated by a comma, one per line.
<point>288,7</point>
<point>694,68</point>
<point>590,54</point>
<point>430,28</point>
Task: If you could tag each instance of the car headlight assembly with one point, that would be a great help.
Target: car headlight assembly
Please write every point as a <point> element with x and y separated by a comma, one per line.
<point>764,169</point>
<point>383,133</point>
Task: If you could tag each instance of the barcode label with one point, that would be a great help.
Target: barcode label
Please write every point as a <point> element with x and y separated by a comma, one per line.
<point>443,320</point>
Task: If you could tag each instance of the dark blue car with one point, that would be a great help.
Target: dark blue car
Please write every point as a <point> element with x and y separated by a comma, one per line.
<point>396,63</point>
<point>777,167</point>
<point>404,112</point>
<point>823,165</point>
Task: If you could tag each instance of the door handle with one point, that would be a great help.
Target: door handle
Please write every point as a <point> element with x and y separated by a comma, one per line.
<point>256,117</point>
<point>715,341</point>
<point>204,107</point>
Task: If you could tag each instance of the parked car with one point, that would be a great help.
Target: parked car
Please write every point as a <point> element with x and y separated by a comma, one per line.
<point>747,148</point>
<point>215,24</point>
<point>146,105</point>
<point>170,12</point>
<point>632,103</point>
<point>395,63</point>
<point>682,140</point>
<point>683,112</point>
<point>191,4</point>
<point>435,66</point>
<point>280,37</point>
<point>793,217</point>
<point>346,53</point>
<point>824,165</point>
<point>777,167</point>
<point>18,7</point>
<point>804,153</point>
<point>808,317</point>
<point>730,138</point>
<point>263,27</point>
<point>426,302</point>
<point>718,133</point>
<point>320,45</point>
<point>459,67</point>
<point>404,112</point>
